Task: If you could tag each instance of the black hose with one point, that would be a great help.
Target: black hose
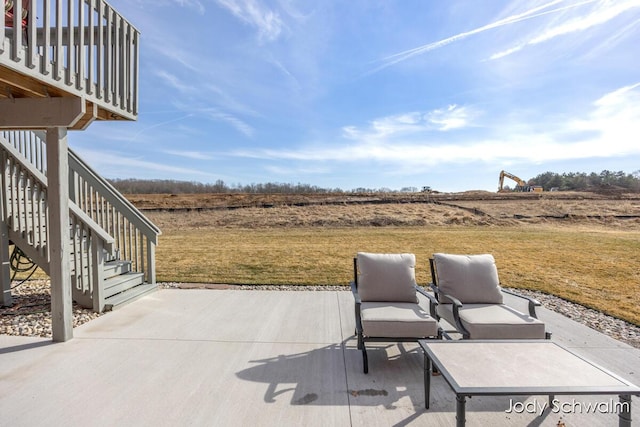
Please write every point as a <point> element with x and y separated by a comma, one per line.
<point>21,263</point>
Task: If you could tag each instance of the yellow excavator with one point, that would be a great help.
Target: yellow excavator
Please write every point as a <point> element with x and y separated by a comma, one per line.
<point>521,185</point>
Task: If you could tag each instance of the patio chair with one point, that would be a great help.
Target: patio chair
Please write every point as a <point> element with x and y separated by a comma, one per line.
<point>387,306</point>
<point>470,299</point>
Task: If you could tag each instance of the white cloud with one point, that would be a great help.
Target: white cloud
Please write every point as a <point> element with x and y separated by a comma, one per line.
<point>120,164</point>
<point>442,119</point>
<point>528,14</point>
<point>195,155</point>
<point>171,49</point>
<point>193,4</point>
<point>614,37</point>
<point>606,11</point>
<point>196,96</point>
<point>227,101</point>
<point>402,141</point>
<point>235,122</point>
<point>252,12</point>
<point>603,12</point>
<point>453,117</point>
<point>145,130</point>
<point>616,120</point>
<point>175,82</point>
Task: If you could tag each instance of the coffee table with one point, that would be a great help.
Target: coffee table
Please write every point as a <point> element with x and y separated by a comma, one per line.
<point>520,367</point>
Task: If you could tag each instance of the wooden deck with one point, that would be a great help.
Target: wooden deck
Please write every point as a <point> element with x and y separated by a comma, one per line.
<point>233,357</point>
<point>80,49</point>
<point>20,86</point>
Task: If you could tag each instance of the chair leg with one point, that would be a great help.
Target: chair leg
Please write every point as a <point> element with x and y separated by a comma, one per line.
<point>365,359</point>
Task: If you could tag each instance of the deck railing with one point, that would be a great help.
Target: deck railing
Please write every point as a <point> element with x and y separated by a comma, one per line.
<point>82,46</point>
<point>101,218</point>
<point>25,212</point>
<point>135,236</point>
<point>24,203</point>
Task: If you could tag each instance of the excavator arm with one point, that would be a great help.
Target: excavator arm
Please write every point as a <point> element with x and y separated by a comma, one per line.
<point>520,183</point>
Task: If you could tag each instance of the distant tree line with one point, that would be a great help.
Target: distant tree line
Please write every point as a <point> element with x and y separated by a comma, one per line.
<point>572,181</point>
<point>580,181</point>
<point>169,186</point>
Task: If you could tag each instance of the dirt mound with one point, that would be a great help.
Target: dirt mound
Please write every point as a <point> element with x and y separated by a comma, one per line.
<point>472,208</point>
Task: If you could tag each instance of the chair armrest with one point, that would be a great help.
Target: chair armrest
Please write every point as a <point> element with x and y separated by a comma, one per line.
<point>358,303</point>
<point>456,302</point>
<point>457,305</point>
<point>433,302</point>
<point>435,288</point>
<point>533,303</point>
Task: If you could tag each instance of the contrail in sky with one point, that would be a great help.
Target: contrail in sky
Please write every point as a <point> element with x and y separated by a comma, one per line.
<point>533,13</point>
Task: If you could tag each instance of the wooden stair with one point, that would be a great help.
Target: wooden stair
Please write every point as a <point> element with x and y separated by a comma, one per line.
<point>122,286</point>
<point>112,245</point>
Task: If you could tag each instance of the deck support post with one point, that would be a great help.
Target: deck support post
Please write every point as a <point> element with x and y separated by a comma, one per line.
<point>59,257</point>
<point>5,269</point>
<point>151,262</point>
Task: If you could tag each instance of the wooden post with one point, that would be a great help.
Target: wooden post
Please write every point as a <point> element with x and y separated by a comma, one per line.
<point>151,262</point>
<point>5,269</point>
<point>59,258</point>
<point>97,294</point>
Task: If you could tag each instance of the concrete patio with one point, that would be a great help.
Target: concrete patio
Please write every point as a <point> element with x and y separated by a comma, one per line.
<point>269,358</point>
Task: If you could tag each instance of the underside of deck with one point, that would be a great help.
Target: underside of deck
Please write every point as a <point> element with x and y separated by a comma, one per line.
<point>16,85</point>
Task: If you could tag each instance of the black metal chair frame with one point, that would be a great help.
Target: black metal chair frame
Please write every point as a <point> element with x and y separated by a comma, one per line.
<point>359,332</point>
<point>457,305</point>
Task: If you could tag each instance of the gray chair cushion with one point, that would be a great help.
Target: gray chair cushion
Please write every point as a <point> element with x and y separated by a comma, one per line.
<point>397,320</point>
<point>387,277</point>
<point>472,279</point>
<point>494,321</point>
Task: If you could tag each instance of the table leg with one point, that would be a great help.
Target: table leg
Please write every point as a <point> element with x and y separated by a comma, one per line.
<point>427,380</point>
<point>461,401</point>
<point>624,416</point>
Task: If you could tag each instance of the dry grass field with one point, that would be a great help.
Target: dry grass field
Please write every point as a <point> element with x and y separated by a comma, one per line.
<point>580,246</point>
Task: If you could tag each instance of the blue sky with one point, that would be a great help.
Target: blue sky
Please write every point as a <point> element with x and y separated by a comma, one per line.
<point>366,93</point>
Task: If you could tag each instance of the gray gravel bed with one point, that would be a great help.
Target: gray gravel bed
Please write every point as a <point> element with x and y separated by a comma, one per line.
<point>608,325</point>
<point>30,314</point>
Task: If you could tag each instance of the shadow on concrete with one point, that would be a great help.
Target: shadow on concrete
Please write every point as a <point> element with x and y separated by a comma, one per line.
<point>23,347</point>
<point>326,376</point>
<point>332,375</point>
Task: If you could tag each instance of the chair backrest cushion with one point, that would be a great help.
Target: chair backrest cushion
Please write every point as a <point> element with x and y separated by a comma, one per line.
<point>387,277</point>
<point>472,279</point>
